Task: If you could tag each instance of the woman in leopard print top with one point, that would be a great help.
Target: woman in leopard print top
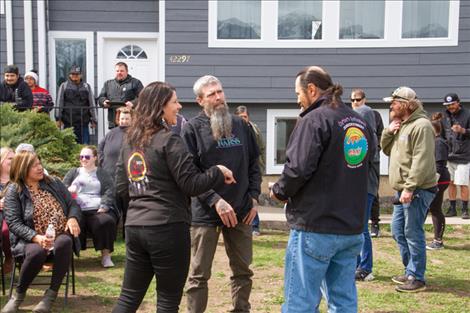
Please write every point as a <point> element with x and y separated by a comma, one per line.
<point>35,200</point>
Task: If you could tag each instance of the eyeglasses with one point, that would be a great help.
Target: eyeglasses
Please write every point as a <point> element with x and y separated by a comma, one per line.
<point>86,157</point>
<point>356,100</point>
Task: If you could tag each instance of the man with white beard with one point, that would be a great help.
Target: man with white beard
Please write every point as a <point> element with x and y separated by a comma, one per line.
<point>217,137</point>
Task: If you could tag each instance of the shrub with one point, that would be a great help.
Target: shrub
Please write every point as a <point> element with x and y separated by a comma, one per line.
<point>57,149</point>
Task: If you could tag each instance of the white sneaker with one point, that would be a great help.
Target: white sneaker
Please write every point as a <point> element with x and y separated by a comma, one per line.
<point>106,261</point>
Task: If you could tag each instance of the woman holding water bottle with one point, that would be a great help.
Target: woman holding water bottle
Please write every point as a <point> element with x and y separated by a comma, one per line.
<point>35,203</point>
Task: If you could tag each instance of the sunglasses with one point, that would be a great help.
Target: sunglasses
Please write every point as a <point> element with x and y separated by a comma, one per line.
<point>86,157</point>
<point>356,100</point>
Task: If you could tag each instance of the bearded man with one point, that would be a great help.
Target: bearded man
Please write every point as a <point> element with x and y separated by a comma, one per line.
<point>217,137</point>
<point>409,142</point>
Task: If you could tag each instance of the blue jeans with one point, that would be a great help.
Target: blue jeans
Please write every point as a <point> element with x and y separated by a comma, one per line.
<point>323,263</point>
<point>365,260</point>
<point>255,223</point>
<point>408,232</point>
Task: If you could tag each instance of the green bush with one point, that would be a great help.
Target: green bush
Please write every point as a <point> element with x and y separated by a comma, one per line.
<point>57,149</point>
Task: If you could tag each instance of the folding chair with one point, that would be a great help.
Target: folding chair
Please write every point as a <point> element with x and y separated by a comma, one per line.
<point>18,263</point>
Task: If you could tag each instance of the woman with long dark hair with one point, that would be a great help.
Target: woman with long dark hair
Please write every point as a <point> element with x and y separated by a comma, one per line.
<point>159,175</point>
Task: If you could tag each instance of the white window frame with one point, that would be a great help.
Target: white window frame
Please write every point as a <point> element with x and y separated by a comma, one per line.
<point>271,117</point>
<point>330,28</point>
<point>90,60</point>
<point>2,7</point>
<point>384,113</point>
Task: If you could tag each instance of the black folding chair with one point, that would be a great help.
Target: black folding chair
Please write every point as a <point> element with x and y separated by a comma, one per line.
<point>70,275</point>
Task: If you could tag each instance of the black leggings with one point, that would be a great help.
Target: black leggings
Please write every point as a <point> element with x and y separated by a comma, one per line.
<point>438,218</point>
<point>101,226</point>
<point>375,210</point>
<point>36,256</point>
<point>160,251</point>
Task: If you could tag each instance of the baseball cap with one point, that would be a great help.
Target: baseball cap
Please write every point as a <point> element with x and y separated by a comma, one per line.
<point>75,69</point>
<point>451,98</point>
<point>11,69</point>
<point>403,93</point>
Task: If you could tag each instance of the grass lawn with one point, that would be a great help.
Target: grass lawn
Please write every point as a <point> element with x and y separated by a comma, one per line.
<point>448,279</point>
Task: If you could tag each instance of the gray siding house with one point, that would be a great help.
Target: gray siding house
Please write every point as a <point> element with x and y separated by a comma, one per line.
<point>255,47</point>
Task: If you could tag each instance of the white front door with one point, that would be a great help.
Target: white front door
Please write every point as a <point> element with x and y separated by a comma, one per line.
<point>140,55</point>
<point>138,50</point>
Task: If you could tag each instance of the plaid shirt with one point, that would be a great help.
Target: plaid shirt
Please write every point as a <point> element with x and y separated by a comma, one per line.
<point>42,99</point>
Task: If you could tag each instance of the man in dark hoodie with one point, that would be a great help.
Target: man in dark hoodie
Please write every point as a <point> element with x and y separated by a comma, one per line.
<point>324,183</point>
<point>76,105</point>
<point>13,89</point>
<point>122,90</point>
<point>217,136</point>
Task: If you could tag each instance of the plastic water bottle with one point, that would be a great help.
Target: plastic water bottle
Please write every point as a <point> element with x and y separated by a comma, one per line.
<point>50,234</point>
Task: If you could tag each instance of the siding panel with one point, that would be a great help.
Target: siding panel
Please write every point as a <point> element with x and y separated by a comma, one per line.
<point>123,15</point>
<point>432,71</point>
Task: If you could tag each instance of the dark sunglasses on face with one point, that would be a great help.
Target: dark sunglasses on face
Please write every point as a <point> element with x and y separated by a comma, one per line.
<point>86,157</point>
<point>356,100</point>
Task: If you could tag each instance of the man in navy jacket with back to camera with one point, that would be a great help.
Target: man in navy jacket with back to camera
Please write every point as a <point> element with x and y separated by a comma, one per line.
<point>324,183</point>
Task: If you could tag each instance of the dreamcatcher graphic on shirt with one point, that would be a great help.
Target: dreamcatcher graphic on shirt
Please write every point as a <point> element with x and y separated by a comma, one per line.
<point>137,173</point>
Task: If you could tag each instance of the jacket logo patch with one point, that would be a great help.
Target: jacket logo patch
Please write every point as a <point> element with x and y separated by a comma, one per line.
<point>228,142</point>
<point>137,172</point>
<point>355,146</point>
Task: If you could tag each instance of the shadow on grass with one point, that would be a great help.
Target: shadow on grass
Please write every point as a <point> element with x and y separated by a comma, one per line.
<point>458,247</point>
<point>281,244</point>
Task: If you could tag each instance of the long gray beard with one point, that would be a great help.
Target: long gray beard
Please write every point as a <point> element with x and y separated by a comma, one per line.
<point>221,123</point>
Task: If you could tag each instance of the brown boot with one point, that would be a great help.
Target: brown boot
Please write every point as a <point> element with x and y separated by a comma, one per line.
<point>46,303</point>
<point>14,303</point>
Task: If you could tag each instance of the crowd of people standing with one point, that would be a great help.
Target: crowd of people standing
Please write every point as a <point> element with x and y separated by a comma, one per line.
<point>179,185</point>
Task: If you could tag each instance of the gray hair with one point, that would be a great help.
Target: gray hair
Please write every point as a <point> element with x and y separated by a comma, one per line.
<point>24,147</point>
<point>204,81</point>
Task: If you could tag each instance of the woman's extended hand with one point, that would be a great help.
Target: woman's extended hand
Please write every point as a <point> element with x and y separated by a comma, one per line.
<point>229,179</point>
<point>73,227</point>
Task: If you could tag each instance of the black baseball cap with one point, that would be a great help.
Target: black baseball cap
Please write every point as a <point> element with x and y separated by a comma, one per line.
<point>75,69</point>
<point>451,98</point>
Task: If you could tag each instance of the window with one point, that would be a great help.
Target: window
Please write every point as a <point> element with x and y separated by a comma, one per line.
<point>332,24</point>
<point>362,20</point>
<point>280,124</point>
<point>2,7</point>
<point>131,52</point>
<point>69,52</point>
<point>239,20</point>
<point>429,19</point>
<point>299,19</point>
<point>67,49</point>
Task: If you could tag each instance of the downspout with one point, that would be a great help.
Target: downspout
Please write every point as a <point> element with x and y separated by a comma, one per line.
<point>9,31</point>
<point>28,35</point>
<point>42,58</point>
<point>161,40</point>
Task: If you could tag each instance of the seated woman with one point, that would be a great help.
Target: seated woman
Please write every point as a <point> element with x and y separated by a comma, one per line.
<point>6,155</point>
<point>94,190</point>
<point>33,201</point>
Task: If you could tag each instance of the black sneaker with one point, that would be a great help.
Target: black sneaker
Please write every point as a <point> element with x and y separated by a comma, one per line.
<point>374,230</point>
<point>435,245</point>
<point>401,279</point>
<point>451,212</point>
<point>363,275</point>
<point>465,215</point>
<point>413,285</point>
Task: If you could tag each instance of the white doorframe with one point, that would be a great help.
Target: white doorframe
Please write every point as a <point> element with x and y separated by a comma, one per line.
<point>90,60</point>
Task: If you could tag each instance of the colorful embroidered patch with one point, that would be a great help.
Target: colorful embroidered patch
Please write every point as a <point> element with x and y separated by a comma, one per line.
<point>355,146</point>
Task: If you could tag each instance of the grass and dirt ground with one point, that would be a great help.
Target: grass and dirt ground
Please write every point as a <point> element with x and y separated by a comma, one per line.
<point>448,279</point>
